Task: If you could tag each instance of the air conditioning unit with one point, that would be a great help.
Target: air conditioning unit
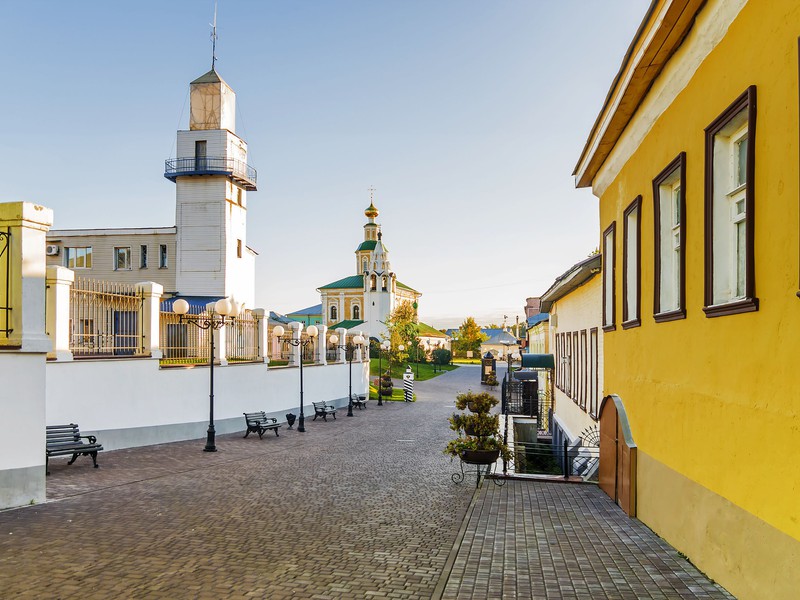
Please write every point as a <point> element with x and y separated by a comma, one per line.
<point>53,250</point>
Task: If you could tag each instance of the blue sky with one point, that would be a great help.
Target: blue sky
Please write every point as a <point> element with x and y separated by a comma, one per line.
<point>467,116</point>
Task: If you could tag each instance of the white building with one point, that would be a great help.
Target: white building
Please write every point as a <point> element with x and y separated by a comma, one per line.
<point>205,255</point>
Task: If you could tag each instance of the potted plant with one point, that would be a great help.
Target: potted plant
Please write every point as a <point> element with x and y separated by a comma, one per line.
<point>482,402</point>
<point>478,441</point>
<point>491,380</point>
<point>386,386</point>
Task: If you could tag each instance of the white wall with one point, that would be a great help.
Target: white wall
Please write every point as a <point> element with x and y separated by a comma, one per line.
<point>133,402</point>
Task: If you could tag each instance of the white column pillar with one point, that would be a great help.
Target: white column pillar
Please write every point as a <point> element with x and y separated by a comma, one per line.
<point>58,282</point>
<point>342,355</point>
<point>149,327</point>
<point>296,328</point>
<point>24,344</point>
<point>322,344</point>
<point>260,315</point>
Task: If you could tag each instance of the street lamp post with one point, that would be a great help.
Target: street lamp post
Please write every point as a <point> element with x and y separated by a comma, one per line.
<point>278,332</point>
<point>382,348</point>
<point>225,310</point>
<point>357,340</point>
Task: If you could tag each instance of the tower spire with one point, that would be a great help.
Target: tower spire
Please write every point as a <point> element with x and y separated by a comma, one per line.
<point>214,38</point>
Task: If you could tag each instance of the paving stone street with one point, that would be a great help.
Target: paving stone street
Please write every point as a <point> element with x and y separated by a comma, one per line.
<point>358,507</point>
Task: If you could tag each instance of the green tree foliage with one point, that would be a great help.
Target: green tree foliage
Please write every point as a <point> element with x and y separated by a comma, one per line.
<point>403,329</point>
<point>469,337</point>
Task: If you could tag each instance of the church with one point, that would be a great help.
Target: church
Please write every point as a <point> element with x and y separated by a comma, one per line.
<point>365,301</point>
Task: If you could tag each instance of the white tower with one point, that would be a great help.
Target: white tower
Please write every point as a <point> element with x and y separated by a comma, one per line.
<point>212,179</point>
<point>379,279</point>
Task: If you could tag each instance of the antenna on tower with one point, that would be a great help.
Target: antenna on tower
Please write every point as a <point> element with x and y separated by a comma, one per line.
<point>214,37</point>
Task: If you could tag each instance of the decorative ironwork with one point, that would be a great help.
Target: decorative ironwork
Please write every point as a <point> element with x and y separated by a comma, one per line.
<point>239,171</point>
<point>5,268</point>
<point>105,319</point>
<point>481,471</point>
<point>180,343</point>
<point>243,343</point>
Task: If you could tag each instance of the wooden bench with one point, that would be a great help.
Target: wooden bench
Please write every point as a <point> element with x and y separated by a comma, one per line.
<point>323,409</point>
<point>63,440</point>
<point>359,400</point>
<point>259,422</point>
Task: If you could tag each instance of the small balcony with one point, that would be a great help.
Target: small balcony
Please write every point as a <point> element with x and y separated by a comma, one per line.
<point>240,172</point>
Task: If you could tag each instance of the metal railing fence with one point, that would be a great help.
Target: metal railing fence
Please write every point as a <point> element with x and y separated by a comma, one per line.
<point>242,340</point>
<point>182,342</point>
<point>105,319</point>
<point>546,458</point>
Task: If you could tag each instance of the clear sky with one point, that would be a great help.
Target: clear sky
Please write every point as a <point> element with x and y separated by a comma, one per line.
<point>467,116</point>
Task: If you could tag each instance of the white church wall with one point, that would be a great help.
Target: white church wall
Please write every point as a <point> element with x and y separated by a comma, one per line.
<point>133,402</point>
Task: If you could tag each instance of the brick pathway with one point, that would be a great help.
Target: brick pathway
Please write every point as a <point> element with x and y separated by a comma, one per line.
<point>359,507</point>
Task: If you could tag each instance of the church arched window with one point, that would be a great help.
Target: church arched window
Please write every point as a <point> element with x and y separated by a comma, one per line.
<point>373,282</point>
<point>383,283</point>
<point>364,265</point>
<point>356,312</point>
<point>334,314</point>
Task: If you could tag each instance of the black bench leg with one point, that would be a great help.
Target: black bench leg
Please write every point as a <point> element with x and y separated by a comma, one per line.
<point>334,416</point>
<point>247,432</point>
<point>94,458</point>
<point>315,417</point>
<point>276,432</point>
<point>74,456</point>
<point>261,433</point>
<point>47,465</point>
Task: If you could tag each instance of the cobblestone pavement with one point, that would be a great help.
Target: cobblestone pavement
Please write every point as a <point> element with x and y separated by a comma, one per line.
<point>359,507</point>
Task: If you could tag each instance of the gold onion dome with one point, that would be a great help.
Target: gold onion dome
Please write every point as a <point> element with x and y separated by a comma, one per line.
<point>371,211</point>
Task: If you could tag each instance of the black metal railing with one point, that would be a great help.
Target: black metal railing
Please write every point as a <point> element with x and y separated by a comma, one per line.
<point>5,273</point>
<point>237,170</point>
<point>546,458</point>
<point>525,398</point>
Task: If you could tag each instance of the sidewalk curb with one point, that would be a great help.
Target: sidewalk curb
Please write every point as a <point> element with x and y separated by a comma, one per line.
<point>438,591</point>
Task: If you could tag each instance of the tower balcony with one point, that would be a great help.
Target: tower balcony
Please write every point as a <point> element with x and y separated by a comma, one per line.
<point>239,172</point>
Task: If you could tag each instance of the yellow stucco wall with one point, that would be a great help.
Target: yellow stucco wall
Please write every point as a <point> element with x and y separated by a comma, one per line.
<point>716,401</point>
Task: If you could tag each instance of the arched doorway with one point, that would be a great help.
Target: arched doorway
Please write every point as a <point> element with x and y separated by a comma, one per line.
<point>617,474</point>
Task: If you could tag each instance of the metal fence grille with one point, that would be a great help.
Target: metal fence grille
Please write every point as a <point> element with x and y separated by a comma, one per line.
<point>183,343</point>
<point>525,398</point>
<point>242,339</point>
<point>105,319</point>
<point>5,282</point>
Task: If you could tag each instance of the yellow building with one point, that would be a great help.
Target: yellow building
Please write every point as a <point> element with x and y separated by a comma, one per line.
<point>694,158</point>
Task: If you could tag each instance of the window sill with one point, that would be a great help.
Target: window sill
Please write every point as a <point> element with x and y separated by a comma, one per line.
<point>731,308</point>
<point>630,324</point>
<point>672,315</point>
<point>609,327</point>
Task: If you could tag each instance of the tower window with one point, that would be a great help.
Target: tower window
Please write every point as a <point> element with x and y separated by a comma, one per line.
<point>162,257</point>
<point>356,312</point>
<point>373,282</point>
<point>383,283</point>
<point>143,256</point>
<point>239,196</point>
<point>239,248</point>
<point>200,155</point>
<point>334,313</point>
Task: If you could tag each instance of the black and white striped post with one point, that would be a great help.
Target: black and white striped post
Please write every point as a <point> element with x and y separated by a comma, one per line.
<point>408,384</point>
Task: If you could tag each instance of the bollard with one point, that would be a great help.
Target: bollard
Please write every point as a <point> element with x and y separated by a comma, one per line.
<point>408,384</point>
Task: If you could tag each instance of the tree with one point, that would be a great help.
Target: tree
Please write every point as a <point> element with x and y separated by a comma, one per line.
<point>403,328</point>
<point>469,336</point>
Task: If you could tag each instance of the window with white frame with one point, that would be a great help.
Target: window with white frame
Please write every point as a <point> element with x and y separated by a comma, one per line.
<point>631,254</point>
<point>78,257</point>
<point>122,258</point>
<point>669,206</point>
<point>609,279</point>
<point>729,205</point>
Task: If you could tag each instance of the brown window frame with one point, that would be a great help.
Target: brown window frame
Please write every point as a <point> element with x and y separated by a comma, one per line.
<point>679,313</point>
<point>746,101</point>
<point>629,322</point>
<point>611,230</point>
